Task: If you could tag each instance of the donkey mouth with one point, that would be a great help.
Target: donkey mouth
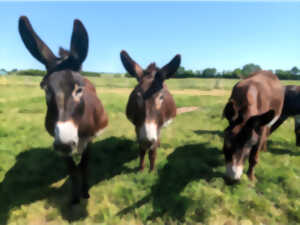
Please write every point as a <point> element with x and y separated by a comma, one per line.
<point>64,149</point>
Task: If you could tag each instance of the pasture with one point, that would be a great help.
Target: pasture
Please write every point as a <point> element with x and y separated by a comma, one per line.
<point>187,186</point>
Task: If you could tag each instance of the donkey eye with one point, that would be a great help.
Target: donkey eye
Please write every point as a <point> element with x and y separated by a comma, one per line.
<point>79,91</point>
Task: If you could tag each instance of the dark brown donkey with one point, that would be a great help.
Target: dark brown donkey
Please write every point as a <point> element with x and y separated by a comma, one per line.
<point>291,107</point>
<point>150,105</point>
<point>74,113</point>
<point>254,106</point>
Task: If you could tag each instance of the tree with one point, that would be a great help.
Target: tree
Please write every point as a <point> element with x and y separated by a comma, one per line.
<point>180,70</point>
<point>237,73</point>
<point>282,74</point>
<point>250,68</point>
<point>295,71</point>
<point>209,72</point>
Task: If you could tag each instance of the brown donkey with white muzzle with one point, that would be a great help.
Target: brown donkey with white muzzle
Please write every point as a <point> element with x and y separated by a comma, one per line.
<point>74,112</point>
<point>254,106</point>
<point>150,105</point>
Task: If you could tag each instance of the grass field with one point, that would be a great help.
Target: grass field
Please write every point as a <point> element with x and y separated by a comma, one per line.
<point>187,186</point>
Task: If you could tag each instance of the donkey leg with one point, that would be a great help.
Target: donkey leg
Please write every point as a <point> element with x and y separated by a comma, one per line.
<point>152,155</point>
<point>74,176</point>
<point>83,166</point>
<point>266,134</point>
<point>253,160</point>
<point>142,157</point>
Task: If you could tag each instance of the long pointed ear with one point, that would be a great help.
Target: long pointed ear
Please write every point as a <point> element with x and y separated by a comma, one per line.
<point>170,69</point>
<point>229,112</point>
<point>79,43</point>
<point>131,66</point>
<point>35,45</point>
<point>255,122</point>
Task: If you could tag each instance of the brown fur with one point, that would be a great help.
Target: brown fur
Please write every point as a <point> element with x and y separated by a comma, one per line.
<point>150,102</point>
<point>246,111</point>
<point>70,97</point>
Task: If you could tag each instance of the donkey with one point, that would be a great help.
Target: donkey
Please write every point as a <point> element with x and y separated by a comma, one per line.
<point>150,106</point>
<point>291,107</point>
<point>74,113</point>
<point>254,106</point>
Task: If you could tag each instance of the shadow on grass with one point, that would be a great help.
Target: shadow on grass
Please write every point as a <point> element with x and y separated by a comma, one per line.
<point>185,164</point>
<point>30,179</point>
<point>282,148</point>
<point>213,132</point>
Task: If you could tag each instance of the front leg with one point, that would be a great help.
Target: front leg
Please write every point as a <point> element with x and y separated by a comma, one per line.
<point>153,154</point>
<point>74,176</point>
<point>266,133</point>
<point>253,160</point>
<point>142,157</point>
<point>83,166</point>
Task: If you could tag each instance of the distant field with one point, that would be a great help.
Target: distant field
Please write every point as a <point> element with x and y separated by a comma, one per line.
<point>187,186</point>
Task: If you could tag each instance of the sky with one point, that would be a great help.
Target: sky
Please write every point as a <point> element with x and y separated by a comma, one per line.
<point>224,35</point>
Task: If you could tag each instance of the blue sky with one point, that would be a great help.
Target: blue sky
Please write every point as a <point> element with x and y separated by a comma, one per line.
<point>224,35</point>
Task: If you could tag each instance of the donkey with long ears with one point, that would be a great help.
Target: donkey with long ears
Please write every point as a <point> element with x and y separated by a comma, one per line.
<point>74,113</point>
<point>150,105</point>
<point>254,106</point>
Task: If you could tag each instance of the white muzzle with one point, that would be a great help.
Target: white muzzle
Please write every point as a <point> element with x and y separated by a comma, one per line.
<point>234,172</point>
<point>148,132</point>
<point>66,133</point>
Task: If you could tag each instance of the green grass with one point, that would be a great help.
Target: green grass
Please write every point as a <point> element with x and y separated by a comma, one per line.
<point>186,188</point>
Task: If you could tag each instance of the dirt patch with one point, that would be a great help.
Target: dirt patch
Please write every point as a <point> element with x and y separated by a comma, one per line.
<point>214,92</point>
<point>186,109</point>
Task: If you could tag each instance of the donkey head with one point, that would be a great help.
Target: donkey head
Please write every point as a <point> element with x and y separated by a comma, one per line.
<point>149,94</point>
<point>63,84</point>
<point>240,138</point>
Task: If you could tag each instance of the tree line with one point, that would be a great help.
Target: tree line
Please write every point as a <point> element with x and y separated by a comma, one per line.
<point>246,70</point>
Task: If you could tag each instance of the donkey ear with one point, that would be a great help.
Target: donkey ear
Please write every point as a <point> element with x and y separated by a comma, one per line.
<point>229,112</point>
<point>260,120</point>
<point>35,45</point>
<point>79,43</point>
<point>170,69</point>
<point>131,66</point>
